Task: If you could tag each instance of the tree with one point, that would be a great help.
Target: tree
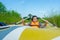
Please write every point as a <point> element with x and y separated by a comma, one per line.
<point>24,17</point>
<point>2,7</point>
<point>7,16</point>
<point>13,17</point>
<point>30,16</point>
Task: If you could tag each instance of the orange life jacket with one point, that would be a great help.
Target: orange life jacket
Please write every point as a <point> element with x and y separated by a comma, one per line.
<point>35,24</point>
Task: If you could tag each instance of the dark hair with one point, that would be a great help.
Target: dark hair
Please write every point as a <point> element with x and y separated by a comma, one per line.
<point>33,17</point>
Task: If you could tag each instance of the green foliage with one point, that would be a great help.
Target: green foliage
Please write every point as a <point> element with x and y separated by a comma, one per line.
<point>40,20</point>
<point>30,16</point>
<point>54,19</point>
<point>8,17</point>
<point>2,7</point>
<point>24,17</point>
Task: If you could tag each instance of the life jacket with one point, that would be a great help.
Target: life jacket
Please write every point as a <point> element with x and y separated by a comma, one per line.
<point>35,24</point>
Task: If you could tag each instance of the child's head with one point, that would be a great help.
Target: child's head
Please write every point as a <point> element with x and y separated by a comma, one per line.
<point>34,18</point>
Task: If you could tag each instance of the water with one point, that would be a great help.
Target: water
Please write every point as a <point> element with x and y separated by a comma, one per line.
<point>5,32</point>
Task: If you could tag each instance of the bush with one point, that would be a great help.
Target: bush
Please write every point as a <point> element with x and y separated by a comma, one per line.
<point>10,17</point>
<point>54,19</point>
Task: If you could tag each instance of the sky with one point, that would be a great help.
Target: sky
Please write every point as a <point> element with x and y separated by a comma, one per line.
<point>39,8</point>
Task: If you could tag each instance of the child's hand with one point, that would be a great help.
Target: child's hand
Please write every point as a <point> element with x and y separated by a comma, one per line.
<point>23,21</point>
<point>46,21</point>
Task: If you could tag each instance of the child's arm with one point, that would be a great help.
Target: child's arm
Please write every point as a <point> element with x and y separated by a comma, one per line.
<point>46,22</point>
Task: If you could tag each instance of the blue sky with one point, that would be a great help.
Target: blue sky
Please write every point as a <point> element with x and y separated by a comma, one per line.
<point>35,7</point>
